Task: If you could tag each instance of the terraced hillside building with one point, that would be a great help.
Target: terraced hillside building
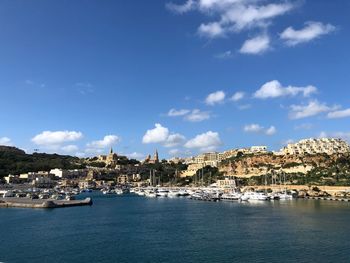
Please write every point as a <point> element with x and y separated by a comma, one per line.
<point>317,146</point>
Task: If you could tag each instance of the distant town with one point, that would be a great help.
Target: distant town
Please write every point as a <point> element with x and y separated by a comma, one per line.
<point>322,161</point>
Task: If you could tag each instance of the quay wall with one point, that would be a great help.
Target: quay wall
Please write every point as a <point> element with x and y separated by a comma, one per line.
<point>36,203</point>
<point>329,189</point>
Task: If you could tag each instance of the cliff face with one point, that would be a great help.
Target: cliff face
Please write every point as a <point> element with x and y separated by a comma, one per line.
<point>255,165</point>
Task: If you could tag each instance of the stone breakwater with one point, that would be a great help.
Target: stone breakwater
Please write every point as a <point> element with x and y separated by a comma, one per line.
<point>38,203</point>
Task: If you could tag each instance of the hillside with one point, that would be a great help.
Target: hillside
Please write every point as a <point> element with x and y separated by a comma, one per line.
<point>16,161</point>
<point>319,169</point>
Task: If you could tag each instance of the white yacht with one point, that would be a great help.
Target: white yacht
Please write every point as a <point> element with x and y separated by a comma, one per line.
<point>232,196</point>
<point>183,192</point>
<point>150,194</point>
<point>259,196</point>
<point>162,192</point>
<point>107,191</point>
<point>118,191</point>
<point>285,196</point>
<point>173,193</point>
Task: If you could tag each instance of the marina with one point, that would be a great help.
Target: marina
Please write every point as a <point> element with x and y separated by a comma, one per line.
<point>59,198</point>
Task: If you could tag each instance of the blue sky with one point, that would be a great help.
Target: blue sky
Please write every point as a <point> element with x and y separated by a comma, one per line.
<point>77,77</point>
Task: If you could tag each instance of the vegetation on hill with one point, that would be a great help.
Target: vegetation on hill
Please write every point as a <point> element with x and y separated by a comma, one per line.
<point>16,161</point>
<point>164,172</point>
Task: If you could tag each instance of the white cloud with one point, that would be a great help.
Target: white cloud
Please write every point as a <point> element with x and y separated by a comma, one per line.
<point>208,141</point>
<point>246,15</point>
<point>256,45</point>
<point>206,5</point>
<point>175,113</point>
<point>211,30</point>
<point>256,128</point>
<point>226,54</point>
<point>162,135</point>
<point>107,141</point>
<point>311,31</point>
<point>174,140</point>
<point>47,138</point>
<point>232,15</point>
<point>180,9</point>
<point>253,128</point>
<point>174,152</point>
<point>237,96</point>
<point>70,148</point>
<point>197,116</point>
<point>6,141</point>
<point>339,114</point>
<point>215,97</point>
<point>311,109</point>
<point>274,89</point>
<point>157,135</point>
<point>271,131</point>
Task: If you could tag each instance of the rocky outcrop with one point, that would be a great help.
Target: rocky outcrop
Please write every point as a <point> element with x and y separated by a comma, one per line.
<point>256,165</point>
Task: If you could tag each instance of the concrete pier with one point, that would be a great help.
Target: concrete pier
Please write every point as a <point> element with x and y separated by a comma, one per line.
<point>40,203</point>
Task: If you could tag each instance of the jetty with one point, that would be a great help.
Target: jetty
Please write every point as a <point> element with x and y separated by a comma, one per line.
<point>41,203</point>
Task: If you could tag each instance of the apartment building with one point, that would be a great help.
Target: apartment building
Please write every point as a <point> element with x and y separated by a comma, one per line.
<point>314,146</point>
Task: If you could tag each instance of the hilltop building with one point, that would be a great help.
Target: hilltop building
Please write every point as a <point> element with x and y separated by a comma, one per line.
<point>153,160</point>
<point>213,159</point>
<point>316,146</point>
<point>111,159</point>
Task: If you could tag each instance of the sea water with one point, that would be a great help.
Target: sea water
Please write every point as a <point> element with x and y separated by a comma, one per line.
<point>130,228</point>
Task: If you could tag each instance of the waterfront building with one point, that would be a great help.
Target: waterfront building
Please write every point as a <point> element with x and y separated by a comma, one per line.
<point>43,182</point>
<point>86,184</point>
<point>59,172</point>
<point>122,179</point>
<point>226,183</point>
<point>12,179</point>
<point>26,177</point>
<point>317,146</point>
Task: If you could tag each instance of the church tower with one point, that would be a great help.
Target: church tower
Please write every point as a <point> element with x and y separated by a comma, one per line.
<point>156,157</point>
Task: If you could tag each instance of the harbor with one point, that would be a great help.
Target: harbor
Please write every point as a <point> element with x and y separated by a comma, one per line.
<point>73,197</point>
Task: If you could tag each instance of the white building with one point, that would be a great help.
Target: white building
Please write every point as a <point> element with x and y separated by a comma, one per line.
<point>315,146</point>
<point>258,149</point>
